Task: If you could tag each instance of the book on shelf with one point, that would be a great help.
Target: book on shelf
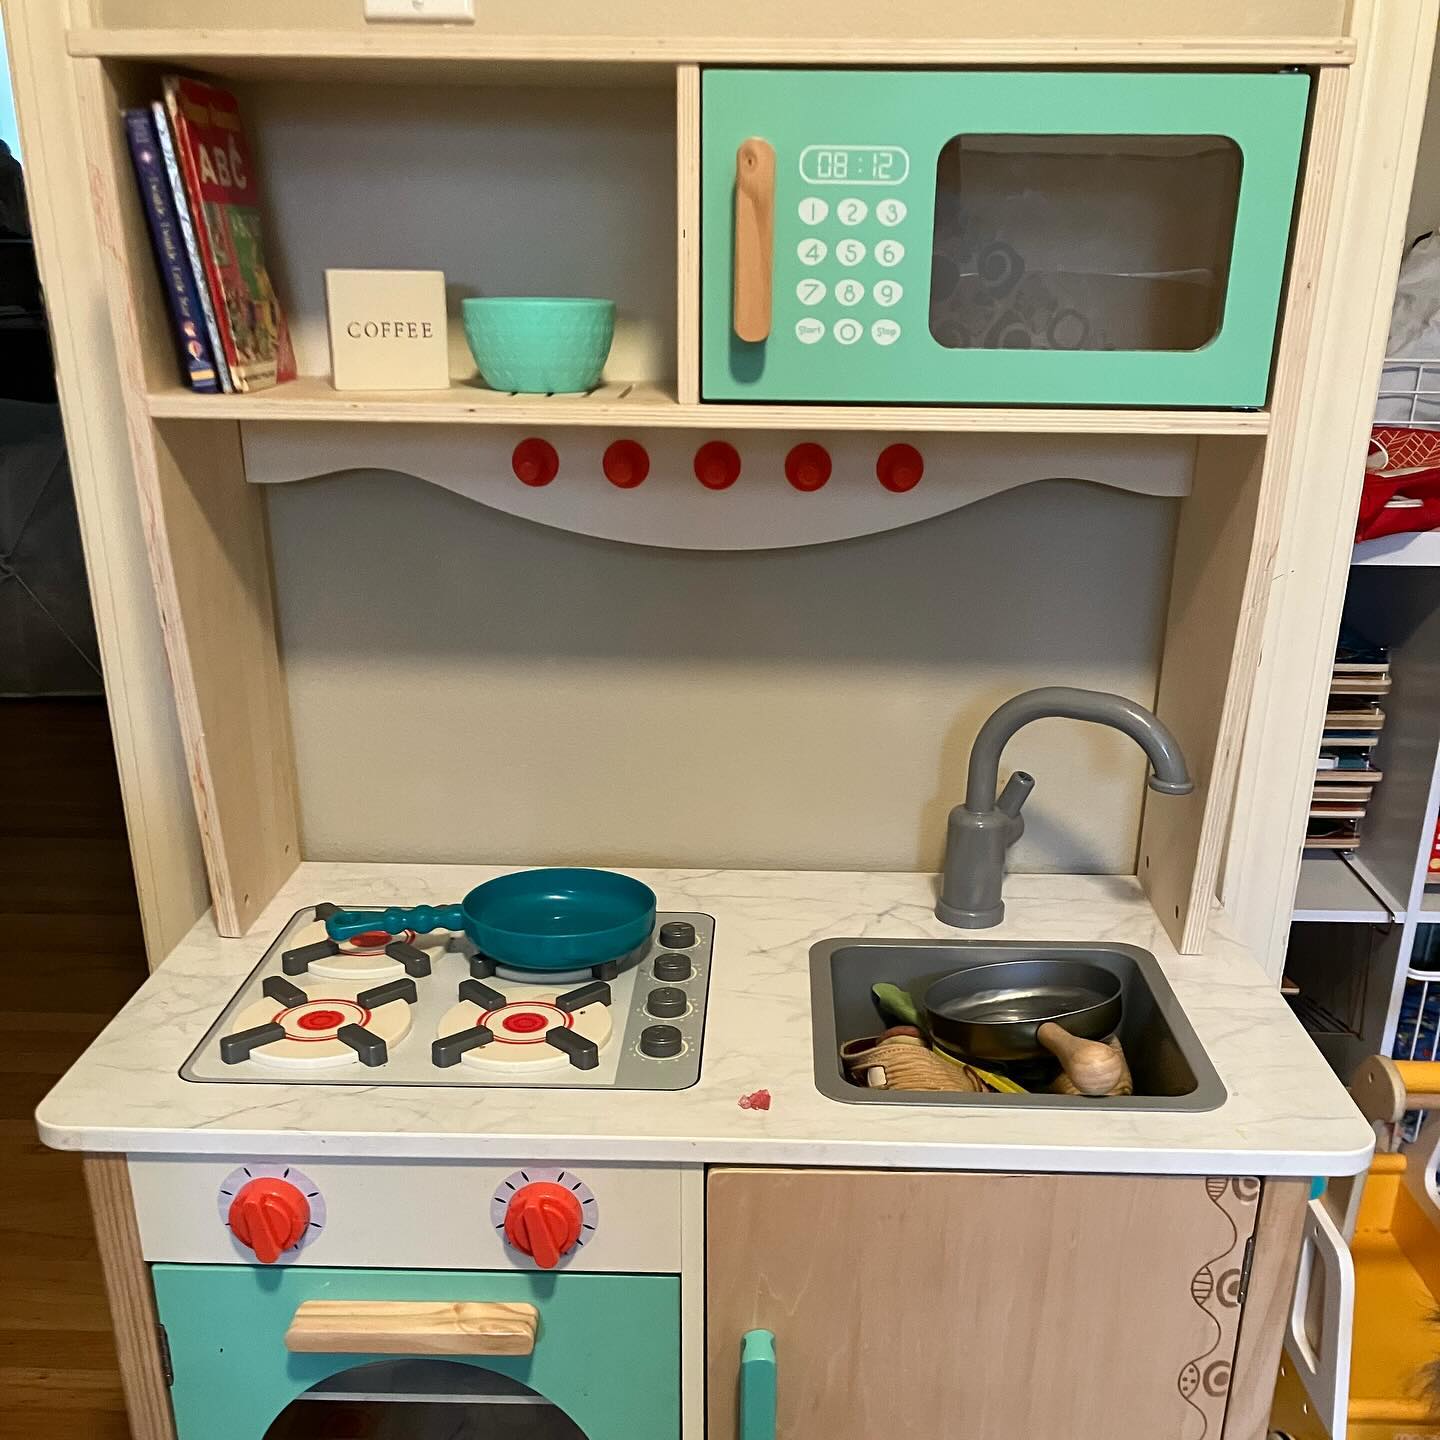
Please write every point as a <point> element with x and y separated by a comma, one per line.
<point>1361,775</point>
<point>1369,717</point>
<point>221,185</point>
<point>1360,685</point>
<point>192,338</point>
<point>186,222</point>
<point>1359,790</point>
<point>1349,739</point>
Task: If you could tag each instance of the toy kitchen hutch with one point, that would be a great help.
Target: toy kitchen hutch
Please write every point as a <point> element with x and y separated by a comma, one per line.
<point>959,350</point>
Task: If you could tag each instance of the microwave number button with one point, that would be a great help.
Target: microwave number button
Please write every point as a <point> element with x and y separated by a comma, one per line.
<point>885,332</point>
<point>809,330</point>
<point>810,291</point>
<point>813,210</point>
<point>889,253</point>
<point>890,212</point>
<point>849,292</point>
<point>852,210</point>
<point>848,330</point>
<point>852,252</point>
<point>811,251</point>
<point>887,292</point>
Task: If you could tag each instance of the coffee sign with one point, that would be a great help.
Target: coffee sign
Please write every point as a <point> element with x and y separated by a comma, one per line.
<point>387,329</point>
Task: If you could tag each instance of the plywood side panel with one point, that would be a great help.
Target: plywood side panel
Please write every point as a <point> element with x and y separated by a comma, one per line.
<point>687,207</point>
<point>1323,470</point>
<point>164,841</point>
<point>132,1302</point>
<point>1223,572</point>
<point>209,560</point>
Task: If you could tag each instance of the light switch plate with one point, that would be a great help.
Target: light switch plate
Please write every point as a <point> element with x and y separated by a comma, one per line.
<point>420,9</point>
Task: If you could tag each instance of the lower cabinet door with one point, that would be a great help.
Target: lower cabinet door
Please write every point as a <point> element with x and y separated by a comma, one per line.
<point>603,1364</point>
<point>911,1305</point>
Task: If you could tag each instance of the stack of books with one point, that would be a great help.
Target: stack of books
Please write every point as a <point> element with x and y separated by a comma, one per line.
<point>198,186</point>
<point>1345,774</point>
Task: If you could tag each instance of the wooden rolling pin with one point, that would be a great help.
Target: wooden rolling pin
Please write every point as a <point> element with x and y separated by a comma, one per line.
<point>1091,1067</point>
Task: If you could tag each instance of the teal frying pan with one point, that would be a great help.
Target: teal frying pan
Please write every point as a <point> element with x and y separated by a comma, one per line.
<point>559,919</point>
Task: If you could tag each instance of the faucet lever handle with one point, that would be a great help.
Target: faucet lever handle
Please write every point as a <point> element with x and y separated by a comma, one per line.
<point>1016,793</point>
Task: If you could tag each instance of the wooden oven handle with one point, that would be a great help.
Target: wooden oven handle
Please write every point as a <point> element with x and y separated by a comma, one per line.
<point>754,238</point>
<point>412,1327</point>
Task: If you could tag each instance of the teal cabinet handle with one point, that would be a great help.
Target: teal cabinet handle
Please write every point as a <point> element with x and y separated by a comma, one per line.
<point>757,1386</point>
<point>422,919</point>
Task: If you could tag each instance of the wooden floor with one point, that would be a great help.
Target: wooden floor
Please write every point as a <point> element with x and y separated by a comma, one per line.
<point>70,955</point>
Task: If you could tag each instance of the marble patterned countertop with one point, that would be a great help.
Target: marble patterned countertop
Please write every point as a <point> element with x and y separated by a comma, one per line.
<point>1286,1113</point>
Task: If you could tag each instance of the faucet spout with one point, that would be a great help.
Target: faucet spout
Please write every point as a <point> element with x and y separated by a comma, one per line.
<point>982,829</point>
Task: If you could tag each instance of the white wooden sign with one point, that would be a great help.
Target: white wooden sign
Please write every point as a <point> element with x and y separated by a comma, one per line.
<point>387,329</point>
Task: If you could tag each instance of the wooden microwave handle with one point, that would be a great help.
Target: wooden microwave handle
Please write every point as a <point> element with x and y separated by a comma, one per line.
<point>412,1327</point>
<point>754,237</point>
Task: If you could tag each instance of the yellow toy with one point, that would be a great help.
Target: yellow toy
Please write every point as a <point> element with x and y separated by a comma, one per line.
<point>1391,1219</point>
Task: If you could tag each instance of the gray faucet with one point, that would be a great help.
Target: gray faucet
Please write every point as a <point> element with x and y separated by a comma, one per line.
<point>982,829</point>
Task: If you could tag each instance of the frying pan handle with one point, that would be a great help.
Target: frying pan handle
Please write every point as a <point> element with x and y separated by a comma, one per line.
<point>422,919</point>
<point>757,1385</point>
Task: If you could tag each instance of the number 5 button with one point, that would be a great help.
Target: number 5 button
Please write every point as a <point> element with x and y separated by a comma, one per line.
<point>851,252</point>
<point>889,253</point>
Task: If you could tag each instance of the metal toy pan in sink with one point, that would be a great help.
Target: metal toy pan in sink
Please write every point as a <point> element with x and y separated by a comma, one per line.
<point>557,919</point>
<point>1170,1068</point>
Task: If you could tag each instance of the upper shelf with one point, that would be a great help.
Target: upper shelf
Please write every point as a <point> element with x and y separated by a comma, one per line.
<point>243,52</point>
<point>645,404</point>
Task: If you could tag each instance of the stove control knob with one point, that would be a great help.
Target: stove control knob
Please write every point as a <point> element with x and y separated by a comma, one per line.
<point>677,935</point>
<point>543,1220</point>
<point>660,1042</point>
<point>269,1216</point>
<point>673,967</point>
<point>666,1002</point>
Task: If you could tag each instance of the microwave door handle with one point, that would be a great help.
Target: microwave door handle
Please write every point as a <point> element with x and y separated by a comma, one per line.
<point>754,238</point>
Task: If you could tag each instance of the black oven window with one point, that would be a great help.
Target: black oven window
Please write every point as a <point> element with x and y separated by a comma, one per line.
<point>422,1400</point>
<point>1082,242</point>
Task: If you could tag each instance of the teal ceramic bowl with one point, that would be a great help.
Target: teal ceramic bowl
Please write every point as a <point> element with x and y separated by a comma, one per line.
<point>539,345</point>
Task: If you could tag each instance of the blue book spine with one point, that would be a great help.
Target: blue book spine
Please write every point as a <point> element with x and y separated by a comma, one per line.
<point>191,339</point>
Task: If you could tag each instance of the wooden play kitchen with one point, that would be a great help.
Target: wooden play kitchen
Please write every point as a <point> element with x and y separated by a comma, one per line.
<point>869,267</point>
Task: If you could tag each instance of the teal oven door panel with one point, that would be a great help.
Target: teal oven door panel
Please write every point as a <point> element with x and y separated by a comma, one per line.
<point>1015,238</point>
<point>606,1356</point>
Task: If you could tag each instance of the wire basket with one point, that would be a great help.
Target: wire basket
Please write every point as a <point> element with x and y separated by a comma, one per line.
<point>1409,393</point>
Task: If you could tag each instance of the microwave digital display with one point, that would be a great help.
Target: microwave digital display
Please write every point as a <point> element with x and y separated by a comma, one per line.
<point>854,164</point>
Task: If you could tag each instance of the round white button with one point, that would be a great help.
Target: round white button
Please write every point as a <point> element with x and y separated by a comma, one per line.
<point>850,252</point>
<point>887,292</point>
<point>889,253</point>
<point>890,212</point>
<point>811,252</point>
<point>810,292</point>
<point>884,332</point>
<point>848,331</point>
<point>813,210</point>
<point>809,330</point>
<point>849,292</point>
<point>852,210</point>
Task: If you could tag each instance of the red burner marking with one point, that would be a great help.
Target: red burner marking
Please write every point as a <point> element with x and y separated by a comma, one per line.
<point>525,1023</point>
<point>371,940</point>
<point>321,1020</point>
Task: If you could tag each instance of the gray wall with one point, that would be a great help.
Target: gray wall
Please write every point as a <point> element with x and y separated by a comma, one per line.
<point>469,686</point>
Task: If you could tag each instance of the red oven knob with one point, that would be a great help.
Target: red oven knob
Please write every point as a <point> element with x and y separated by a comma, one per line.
<point>625,464</point>
<point>807,466</point>
<point>269,1216</point>
<point>717,465</point>
<point>535,462</point>
<point>899,468</point>
<point>543,1220</point>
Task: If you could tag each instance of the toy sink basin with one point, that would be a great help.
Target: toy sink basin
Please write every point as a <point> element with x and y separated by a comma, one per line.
<point>1169,1065</point>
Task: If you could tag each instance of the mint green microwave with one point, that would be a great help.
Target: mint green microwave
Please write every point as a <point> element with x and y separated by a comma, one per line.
<point>995,237</point>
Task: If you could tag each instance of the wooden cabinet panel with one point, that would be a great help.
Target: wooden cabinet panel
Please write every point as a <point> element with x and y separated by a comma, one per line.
<point>912,1305</point>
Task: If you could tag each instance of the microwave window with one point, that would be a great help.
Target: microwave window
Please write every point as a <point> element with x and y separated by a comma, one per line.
<point>1082,242</point>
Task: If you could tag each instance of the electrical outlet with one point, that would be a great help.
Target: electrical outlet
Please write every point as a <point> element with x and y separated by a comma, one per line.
<point>420,9</point>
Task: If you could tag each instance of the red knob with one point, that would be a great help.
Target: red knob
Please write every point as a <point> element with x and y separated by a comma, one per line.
<point>625,464</point>
<point>717,465</point>
<point>270,1216</point>
<point>900,467</point>
<point>535,462</point>
<point>544,1219</point>
<point>807,466</point>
